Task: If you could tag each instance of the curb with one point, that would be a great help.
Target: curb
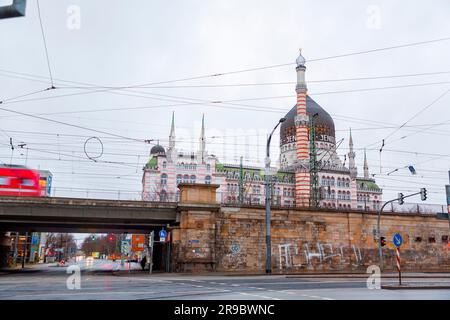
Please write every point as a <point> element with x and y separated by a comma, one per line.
<point>413,287</point>
<point>367,275</point>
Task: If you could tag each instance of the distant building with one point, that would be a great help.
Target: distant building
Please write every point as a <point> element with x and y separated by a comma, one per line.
<point>45,182</point>
<point>337,186</point>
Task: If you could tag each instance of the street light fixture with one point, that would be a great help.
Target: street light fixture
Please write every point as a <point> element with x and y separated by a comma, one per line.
<point>268,182</point>
<point>400,200</point>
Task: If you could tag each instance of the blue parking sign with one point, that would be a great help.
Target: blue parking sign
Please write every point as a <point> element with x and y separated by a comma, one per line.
<point>397,239</point>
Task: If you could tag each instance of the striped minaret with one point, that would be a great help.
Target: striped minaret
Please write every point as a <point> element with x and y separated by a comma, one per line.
<point>302,174</point>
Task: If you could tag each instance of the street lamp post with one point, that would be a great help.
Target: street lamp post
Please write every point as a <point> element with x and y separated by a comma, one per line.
<point>400,199</point>
<point>380,253</point>
<point>268,182</point>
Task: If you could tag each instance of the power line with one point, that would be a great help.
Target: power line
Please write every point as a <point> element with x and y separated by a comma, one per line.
<point>24,95</point>
<point>71,125</point>
<point>219,101</point>
<point>409,181</point>
<point>267,83</point>
<point>45,43</point>
<point>292,63</point>
<point>411,118</point>
<point>267,67</point>
<point>419,112</point>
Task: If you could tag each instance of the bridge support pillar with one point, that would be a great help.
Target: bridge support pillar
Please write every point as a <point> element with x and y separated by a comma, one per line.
<point>5,243</point>
<point>194,241</point>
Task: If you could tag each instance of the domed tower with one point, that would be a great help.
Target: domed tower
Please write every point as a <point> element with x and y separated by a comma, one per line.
<point>157,150</point>
<point>324,128</point>
<point>295,140</point>
<point>301,121</point>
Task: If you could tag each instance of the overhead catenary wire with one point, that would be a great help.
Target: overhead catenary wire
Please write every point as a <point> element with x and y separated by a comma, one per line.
<point>264,83</point>
<point>24,95</point>
<point>228,101</point>
<point>292,63</point>
<point>72,125</point>
<point>272,66</point>
<point>414,116</point>
<point>45,44</point>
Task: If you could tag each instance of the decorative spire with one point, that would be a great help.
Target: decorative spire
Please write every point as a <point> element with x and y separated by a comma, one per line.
<point>351,158</point>
<point>172,132</point>
<point>300,59</point>
<point>301,83</point>
<point>366,166</point>
<point>202,141</point>
<point>350,141</point>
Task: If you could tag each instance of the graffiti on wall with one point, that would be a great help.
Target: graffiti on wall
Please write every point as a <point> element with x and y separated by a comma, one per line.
<point>293,256</point>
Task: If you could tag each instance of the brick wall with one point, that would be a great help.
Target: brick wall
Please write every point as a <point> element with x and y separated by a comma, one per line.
<point>233,239</point>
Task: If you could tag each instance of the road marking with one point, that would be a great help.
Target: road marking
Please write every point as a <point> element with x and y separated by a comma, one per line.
<point>85,293</point>
<point>306,295</point>
<point>258,296</point>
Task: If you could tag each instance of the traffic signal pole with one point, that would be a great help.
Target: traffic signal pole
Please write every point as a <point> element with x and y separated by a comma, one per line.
<point>422,192</point>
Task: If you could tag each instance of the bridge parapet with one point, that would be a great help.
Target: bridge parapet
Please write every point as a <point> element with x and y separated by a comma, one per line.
<point>86,202</point>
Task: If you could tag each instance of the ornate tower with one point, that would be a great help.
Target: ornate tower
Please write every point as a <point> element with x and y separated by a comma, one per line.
<point>302,172</point>
<point>351,158</point>
<point>366,167</point>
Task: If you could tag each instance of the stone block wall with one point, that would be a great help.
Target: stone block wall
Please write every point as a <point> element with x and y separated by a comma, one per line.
<point>320,241</point>
<point>233,239</point>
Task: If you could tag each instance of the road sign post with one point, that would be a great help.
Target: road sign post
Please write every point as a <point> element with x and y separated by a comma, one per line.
<point>151,244</point>
<point>397,240</point>
<point>398,267</point>
<point>125,249</point>
<point>162,235</point>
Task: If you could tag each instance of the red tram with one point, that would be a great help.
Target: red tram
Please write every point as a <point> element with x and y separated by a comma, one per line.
<point>17,180</point>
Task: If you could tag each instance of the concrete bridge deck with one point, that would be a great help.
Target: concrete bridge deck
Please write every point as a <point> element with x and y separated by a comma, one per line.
<point>83,215</point>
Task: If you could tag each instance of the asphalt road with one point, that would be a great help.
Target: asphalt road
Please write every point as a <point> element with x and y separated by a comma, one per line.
<point>99,279</point>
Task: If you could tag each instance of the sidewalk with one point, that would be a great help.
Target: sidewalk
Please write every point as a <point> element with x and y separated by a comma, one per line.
<point>386,275</point>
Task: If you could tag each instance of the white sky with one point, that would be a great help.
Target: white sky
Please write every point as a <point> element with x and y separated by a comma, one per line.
<point>123,44</point>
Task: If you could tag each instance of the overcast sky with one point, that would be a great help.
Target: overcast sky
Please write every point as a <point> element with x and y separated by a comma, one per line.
<point>124,43</point>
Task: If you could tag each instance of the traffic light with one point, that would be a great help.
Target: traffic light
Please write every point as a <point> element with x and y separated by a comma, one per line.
<point>110,237</point>
<point>423,194</point>
<point>93,237</point>
<point>400,198</point>
<point>383,241</point>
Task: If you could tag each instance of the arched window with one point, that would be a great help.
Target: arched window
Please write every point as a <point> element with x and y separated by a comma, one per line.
<point>208,167</point>
<point>193,179</point>
<point>332,181</point>
<point>179,178</point>
<point>163,179</point>
<point>186,178</point>
<point>164,164</point>
<point>208,180</point>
